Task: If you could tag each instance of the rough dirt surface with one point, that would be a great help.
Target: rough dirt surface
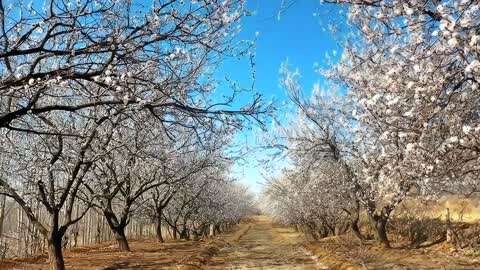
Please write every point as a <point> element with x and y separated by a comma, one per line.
<point>345,252</point>
<point>265,246</point>
<point>256,244</point>
<point>145,255</point>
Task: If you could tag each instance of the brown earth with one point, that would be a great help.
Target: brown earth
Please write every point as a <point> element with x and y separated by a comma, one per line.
<point>265,246</point>
<point>257,244</point>
<point>144,255</point>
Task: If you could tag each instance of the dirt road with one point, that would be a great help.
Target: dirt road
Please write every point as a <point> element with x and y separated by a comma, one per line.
<point>265,246</point>
<point>257,244</point>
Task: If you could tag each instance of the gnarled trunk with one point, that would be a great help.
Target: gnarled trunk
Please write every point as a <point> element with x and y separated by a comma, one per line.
<point>184,233</point>
<point>354,219</point>
<point>122,241</point>
<point>311,230</point>
<point>158,225</point>
<point>174,232</point>
<point>158,229</point>
<point>217,229</point>
<point>118,227</point>
<point>379,224</point>
<point>356,230</point>
<point>55,254</point>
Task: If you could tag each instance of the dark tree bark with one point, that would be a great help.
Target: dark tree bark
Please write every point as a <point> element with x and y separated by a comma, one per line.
<point>160,204</point>
<point>2,215</point>
<point>118,228</point>
<point>122,241</point>
<point>379,220</point>
<point>379,223</point>
<point>356,230</point>
<point>55,254</point>
<point>174,232</point>
<point>354,215</point>
<point>158,229</point>
<point>184,235</point>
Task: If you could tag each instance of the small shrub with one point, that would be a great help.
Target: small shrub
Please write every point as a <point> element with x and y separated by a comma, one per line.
<point>418,231</point>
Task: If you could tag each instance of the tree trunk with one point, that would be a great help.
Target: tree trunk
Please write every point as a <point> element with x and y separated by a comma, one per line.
<point>75,239</point>
<point>354,219</point>
<point>379,225</point>
<point>174,232</point>
<point>184,233</point>
<point>118,228</point>
<point>211,231</point>
<point>331,229</point>
<point>322,232</point>
<point>55,253</point>
<point>2,220</point>
<point>356,230</point>
<point>2,214</point>
<point>158,229</point>
<point>195,235</point>
<point>313,234</point>
<point>122,241</point>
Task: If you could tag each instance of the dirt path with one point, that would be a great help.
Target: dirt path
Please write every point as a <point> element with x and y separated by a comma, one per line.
<point>265,246</point>
<point>257,244</point>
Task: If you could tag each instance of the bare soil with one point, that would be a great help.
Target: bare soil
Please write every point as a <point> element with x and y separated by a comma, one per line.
<point>144,255</point>
<point>265,246</point>
<point>257,244</point>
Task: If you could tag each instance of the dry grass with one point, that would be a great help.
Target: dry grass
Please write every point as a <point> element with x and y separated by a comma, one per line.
<point>461,209</point>
<point>346,252</point>
<point>427,220</point>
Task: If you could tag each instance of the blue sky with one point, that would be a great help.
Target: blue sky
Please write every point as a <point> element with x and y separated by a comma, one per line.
<point>297,35</point>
